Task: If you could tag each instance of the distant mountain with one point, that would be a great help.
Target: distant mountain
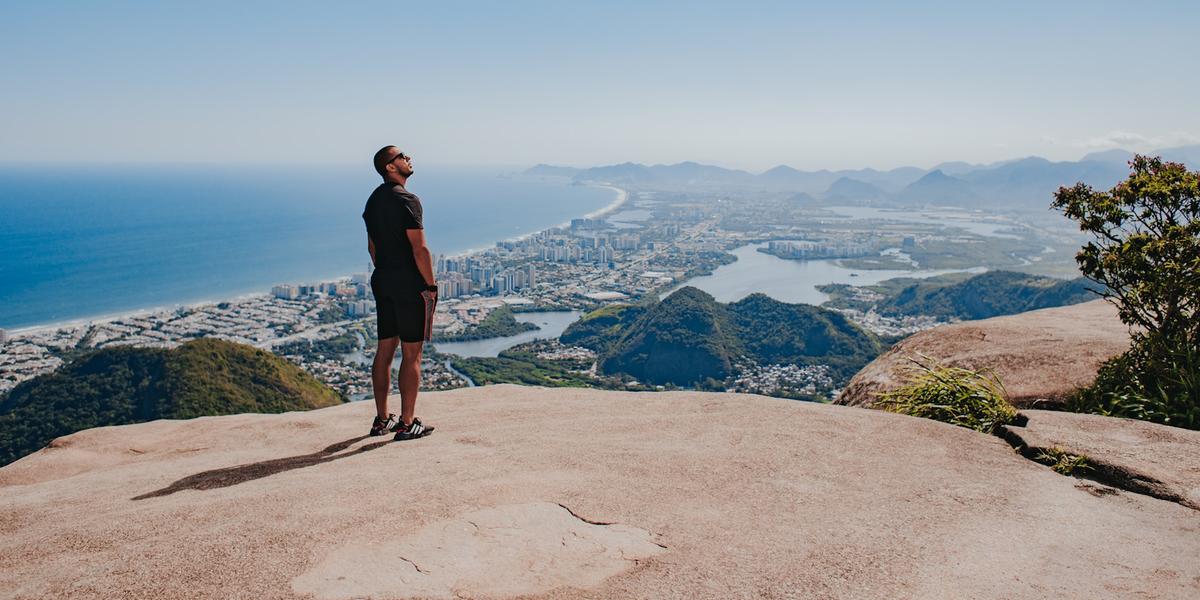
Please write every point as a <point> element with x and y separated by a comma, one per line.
<point>937,187</point>
<point>121,385</point>
<point>626,172</point>
<point>543,170</point>
<point>846,189</point>
<point>1109,156</point>
<point>956,168</point>
<point>1025,183</point>
<point>787,177</point>
<point>685,174</point>
<point>689,337</point>
<point>888,180</point>
<point>1188,155</point>
<point>691,173</point>
<point>1031,182</point>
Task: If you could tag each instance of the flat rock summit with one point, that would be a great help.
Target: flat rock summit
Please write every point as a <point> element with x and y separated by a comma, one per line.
<point>572,493</point>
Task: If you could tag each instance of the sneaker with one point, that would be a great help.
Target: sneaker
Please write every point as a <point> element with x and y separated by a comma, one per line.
<point>382,426</point>
<point>412,431</point>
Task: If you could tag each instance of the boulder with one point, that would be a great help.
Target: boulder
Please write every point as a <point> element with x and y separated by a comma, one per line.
<point>1040,356</point>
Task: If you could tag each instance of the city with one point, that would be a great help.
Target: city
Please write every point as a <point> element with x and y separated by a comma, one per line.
<point>647,243</point>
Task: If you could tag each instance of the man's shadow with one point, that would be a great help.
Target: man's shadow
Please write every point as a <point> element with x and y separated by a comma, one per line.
<point>219,478</point>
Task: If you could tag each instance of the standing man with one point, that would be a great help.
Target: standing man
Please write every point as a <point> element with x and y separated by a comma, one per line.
<point>404,288</point>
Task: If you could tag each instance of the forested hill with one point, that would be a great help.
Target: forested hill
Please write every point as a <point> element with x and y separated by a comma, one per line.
<point>122,385</point>
<point>689,337</point>
<point>958,296</point>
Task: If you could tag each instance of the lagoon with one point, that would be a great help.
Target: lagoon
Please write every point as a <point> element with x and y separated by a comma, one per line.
<point>787,280</point>
<point>551,324</point>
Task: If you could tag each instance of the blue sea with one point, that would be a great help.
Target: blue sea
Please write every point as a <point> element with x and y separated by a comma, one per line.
<point>88,243</point>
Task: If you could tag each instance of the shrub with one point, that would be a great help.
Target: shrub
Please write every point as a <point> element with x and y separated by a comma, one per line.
<point>971,399</point>
<point>1132,385</point>
<point>1146,253</point>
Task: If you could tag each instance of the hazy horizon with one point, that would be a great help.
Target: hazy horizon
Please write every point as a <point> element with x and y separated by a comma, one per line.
<point>749,87</point>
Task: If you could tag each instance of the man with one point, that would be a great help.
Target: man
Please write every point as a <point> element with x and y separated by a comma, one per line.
<point>405,291</point>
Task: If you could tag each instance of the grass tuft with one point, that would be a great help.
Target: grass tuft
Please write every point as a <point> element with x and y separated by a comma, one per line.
<point>1063,462</point>
<point>971,399</point>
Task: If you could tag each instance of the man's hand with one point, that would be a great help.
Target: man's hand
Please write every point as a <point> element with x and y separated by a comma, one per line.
<point>421,254</point>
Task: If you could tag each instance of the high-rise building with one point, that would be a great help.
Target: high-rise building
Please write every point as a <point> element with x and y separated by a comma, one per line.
<point>3,336</point>
<point>285,292</point>
<point>360,308</point>
<point>626,242</point>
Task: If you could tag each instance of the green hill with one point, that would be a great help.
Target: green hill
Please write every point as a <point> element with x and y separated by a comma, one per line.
<point>689,337</point>
<point>122,385</point>
<point>958,296</point>
<point>684,339</point>
<point>602,327</point>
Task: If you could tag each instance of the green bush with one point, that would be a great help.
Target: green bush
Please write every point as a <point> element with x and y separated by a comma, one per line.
<point>1136,386</point>
<point>962,397</point>
<point>1145,251</point>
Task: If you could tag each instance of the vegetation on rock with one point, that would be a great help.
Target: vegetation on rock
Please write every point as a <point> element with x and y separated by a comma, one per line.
<point>971,399</point>
<point>1063,462</point>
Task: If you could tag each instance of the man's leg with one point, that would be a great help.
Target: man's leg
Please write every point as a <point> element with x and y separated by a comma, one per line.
<point>410,378</point>
<point>381,374</point>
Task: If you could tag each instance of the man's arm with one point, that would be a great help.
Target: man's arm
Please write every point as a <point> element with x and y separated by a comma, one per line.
<point>371,249</point>
<point>421,254</point>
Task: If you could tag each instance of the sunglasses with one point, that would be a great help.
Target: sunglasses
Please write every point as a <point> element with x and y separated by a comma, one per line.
<point>400,155</point>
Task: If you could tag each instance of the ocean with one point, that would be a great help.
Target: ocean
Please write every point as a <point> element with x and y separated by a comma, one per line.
<point>97,242</point>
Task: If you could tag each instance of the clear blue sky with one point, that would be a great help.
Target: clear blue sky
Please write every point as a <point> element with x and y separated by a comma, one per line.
<point>741,84</point>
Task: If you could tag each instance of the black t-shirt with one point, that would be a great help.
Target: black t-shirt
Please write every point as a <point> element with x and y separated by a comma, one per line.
<point>390,212</point>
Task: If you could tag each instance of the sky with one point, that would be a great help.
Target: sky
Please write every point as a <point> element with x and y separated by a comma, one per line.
<point>744,85</point>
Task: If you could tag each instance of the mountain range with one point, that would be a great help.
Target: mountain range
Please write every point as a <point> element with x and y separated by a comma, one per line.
<point>1021,183</point>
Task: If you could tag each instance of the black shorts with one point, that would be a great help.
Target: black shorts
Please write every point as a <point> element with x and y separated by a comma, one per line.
<point>410,318</point>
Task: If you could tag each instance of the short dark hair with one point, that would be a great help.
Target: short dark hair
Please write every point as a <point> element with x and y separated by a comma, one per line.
<point>381,160</point>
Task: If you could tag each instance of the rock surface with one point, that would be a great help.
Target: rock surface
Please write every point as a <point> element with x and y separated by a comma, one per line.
<point>1145,457</point>
<point>1040,356</point>
<point>568,493</point>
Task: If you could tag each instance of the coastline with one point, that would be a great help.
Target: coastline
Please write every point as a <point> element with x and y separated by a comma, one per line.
<point>140,312</point>
<point>621,199</point>
<point>622,196</point>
